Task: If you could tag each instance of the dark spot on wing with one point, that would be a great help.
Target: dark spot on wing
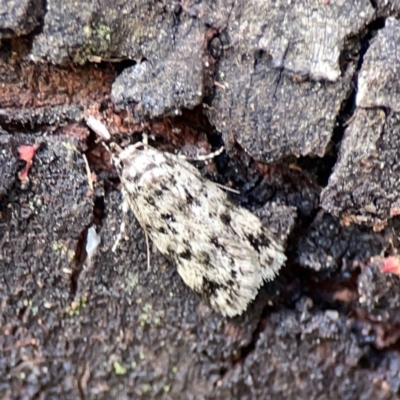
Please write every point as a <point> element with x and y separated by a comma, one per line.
<point>205,258</point>
<point>150,201</point>
<point>168,217</point>
<point>158,192</point>
<point>187,255</point>
<point>162,230</point>
<point>214,240</point>
<point>181,207</point>
<point>169,163</point>
<point>150,166</point>
<point>225,218</point>
<point>233,274</point>
<point>189,197</point>
<point>133,179</point>
<point>259,241</point>
<point>211,215</point>
<point>209,288</point>
<point>172,181</point>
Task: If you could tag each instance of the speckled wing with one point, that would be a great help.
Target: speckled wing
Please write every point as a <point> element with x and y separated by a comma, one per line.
<point>221,250</point>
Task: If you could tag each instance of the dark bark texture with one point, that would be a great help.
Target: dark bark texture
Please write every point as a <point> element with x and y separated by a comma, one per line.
<point>305,97</point>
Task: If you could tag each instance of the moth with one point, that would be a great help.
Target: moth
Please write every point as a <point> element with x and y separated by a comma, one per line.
<point>221,250</point>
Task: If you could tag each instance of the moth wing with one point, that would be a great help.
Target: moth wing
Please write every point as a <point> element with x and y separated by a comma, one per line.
<point>221,250</point>
<point>270,250</point>
<point>229,281</point>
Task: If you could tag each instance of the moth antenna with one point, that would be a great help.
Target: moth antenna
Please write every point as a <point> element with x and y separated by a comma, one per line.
<point>205,157</point>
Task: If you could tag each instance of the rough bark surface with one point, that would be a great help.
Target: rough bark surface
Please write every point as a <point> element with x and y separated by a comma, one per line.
<point>364,185</point>
<point>305,98</point>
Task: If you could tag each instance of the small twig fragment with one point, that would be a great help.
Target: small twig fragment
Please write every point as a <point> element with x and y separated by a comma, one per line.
<point>98,128</point>
<point>88,173</point>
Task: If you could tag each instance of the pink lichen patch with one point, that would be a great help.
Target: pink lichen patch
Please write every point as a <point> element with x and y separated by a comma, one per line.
<point>27,154</point>
<point>391,265</point>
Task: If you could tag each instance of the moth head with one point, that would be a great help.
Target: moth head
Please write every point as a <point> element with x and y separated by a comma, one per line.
<point>122,158</point>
